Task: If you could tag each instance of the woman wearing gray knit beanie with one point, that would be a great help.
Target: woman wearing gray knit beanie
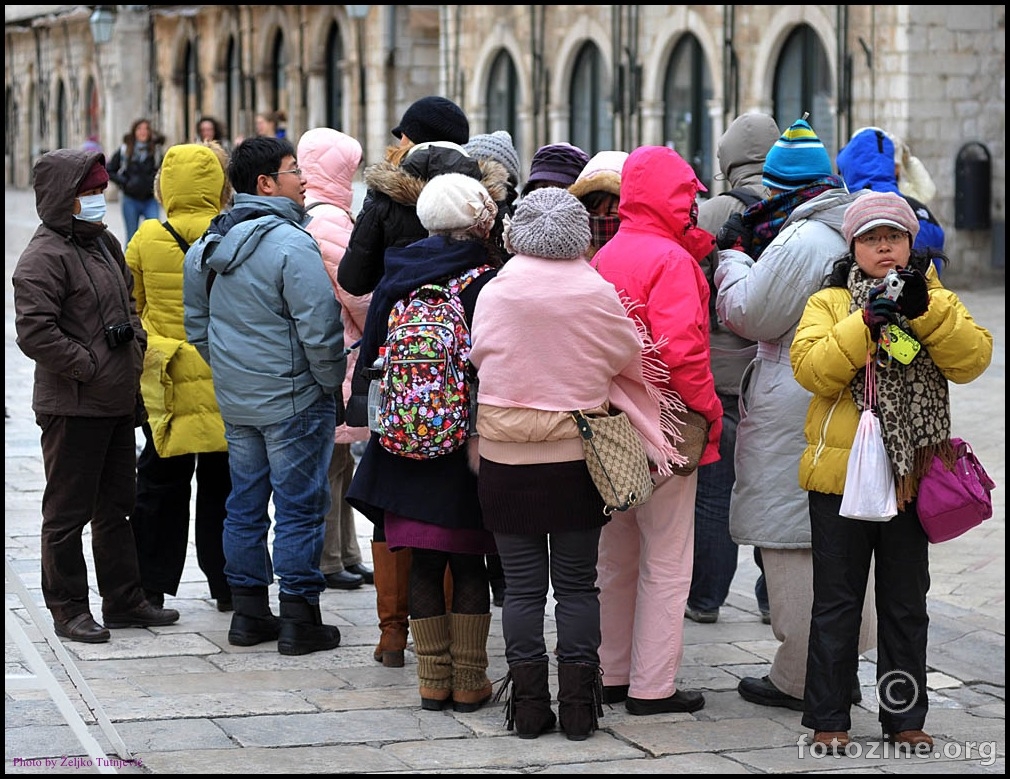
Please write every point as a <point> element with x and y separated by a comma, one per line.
<point>549,336</point>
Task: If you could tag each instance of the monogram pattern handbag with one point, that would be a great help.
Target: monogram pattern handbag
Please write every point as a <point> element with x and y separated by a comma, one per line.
<point>616,460</point>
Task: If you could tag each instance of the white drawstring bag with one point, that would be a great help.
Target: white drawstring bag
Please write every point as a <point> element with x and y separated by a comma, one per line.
<point>869,481</point>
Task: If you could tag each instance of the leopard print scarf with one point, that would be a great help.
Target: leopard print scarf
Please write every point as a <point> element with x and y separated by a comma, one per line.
<point>913,404</point>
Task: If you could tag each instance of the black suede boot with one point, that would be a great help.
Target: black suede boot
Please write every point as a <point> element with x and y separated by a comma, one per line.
<point>528,702</point>
<point>253,622</point>
<point>580,699</point>
<point>302,628</point>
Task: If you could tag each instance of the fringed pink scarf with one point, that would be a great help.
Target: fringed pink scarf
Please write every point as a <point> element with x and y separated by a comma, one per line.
<point>642,392</point>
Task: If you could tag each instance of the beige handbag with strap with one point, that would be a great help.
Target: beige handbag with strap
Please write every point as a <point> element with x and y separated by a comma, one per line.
<point>616,459</point>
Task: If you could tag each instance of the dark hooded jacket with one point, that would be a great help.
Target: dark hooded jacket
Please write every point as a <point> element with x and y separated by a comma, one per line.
<point>70,284</point>
<point>388,217</point>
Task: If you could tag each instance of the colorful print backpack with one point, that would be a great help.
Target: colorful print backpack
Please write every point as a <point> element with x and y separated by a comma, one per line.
<point>425,408</point>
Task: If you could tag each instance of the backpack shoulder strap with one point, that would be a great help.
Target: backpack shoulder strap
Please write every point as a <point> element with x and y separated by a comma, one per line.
<point>178,238</point>
<point>745,196</point>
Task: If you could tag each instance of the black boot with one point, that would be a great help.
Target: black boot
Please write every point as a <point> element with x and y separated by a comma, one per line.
<point>580,699</point>
<point>302,628</point>
<point>528,702</point>
<point>253,622</point>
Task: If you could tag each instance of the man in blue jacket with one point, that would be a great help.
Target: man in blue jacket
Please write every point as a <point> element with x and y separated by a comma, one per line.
<point>260,309</point>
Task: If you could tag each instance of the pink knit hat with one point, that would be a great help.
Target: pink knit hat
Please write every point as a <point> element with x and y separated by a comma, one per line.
<point>879,208</point>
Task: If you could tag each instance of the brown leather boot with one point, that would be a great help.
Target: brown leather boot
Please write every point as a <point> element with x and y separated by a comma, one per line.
<point>434,663</point>
<point>471,688</point>
<point>392,585</point>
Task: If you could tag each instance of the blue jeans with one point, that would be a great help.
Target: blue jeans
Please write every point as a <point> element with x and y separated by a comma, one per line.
<point>289,461</point>
<point>133,209</point>
<point>715,552</point>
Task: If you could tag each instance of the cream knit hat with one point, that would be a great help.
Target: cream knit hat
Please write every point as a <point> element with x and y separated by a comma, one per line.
<point>452,202</point>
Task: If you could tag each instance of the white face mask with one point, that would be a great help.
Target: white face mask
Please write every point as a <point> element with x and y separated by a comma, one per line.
<point>92,208</point>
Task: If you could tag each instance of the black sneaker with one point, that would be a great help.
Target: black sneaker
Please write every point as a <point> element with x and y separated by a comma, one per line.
<point>682,701</point>
<point>764,693</point>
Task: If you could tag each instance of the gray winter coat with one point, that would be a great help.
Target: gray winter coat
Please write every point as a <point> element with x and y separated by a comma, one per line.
<point>270,326</point>
<point>764,301</point>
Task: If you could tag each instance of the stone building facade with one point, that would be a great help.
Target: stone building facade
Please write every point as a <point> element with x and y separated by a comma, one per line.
<point>601,76</point>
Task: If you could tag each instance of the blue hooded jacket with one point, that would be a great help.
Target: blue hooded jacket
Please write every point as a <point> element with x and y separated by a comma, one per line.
<point>867,162</point>
<point>269,324</point>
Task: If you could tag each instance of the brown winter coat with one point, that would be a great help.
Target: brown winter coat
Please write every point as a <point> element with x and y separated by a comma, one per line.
<point>70,283</point>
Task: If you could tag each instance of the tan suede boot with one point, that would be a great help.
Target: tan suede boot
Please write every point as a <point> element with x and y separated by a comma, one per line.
<point>471,688</point>
<point>392,585</point>
<point>434,663</point>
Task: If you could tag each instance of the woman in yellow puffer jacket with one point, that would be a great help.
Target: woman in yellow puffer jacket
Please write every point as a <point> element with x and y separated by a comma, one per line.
<point>836,337</point>
<point>184,432</point>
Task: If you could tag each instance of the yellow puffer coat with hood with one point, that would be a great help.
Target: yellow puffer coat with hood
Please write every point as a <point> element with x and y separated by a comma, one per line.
<point>177,385</point>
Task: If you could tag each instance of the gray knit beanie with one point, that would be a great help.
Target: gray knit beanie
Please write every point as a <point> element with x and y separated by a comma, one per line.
<point>497,146</point>
<point>549,223</point>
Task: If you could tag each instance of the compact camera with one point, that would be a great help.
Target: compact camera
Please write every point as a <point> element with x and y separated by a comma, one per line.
<point>893,284</point>
<point>117,335</point>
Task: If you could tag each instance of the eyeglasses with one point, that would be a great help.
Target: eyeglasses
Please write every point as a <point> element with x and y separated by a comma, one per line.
<point>296,171</point>
<point>878,238</point>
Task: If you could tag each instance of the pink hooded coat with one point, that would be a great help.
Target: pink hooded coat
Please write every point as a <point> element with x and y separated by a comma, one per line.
<point>329,159</point>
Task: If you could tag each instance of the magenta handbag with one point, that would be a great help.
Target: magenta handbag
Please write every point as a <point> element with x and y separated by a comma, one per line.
<point>952,502</point>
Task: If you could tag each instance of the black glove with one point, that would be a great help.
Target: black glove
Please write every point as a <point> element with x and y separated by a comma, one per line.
<point>879,311</point>
<point>914,298</point>
<point>734,234</point>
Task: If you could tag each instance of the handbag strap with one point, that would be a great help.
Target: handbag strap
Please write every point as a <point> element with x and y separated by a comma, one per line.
<point>870,384</point>
<point>583,424</point>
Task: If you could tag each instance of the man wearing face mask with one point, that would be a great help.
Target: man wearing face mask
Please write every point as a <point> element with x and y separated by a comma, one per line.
<point>76,318</point>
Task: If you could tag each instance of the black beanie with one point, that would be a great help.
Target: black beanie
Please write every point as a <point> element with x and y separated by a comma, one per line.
<point>434,118</point>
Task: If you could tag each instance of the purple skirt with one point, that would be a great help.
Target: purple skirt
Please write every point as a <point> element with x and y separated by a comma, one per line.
<point>404,532</point>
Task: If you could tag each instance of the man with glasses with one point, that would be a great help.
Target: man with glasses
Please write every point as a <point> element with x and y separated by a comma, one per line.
<point>260,309</point>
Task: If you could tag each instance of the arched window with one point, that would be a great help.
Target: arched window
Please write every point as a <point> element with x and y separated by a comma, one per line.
<point>334,78</point>
<point>590,127</point>
<point>191,98</point>
<point>502,96</point>
<point>93,108</point>
<point>61,115</point>
<point>279,75</point>
<point>232,85</point>
<point>687,90</point>
<point>803,84</point>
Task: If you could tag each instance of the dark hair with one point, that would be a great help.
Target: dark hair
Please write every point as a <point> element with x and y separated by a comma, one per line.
<point>598,198</point>
<point>920,259</point>
<point>260,155</point>
<point>219,133</point>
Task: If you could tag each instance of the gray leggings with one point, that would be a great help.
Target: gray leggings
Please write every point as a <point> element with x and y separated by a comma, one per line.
<point>566,562</point>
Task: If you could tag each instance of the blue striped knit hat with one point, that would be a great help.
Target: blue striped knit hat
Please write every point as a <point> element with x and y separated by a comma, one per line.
<point>797,159</point>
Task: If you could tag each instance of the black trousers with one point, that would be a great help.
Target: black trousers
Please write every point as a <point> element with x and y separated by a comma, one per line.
<point>161,517</point>
<point>842,551</point>
<point>90,465</point>
<point>565,562</point>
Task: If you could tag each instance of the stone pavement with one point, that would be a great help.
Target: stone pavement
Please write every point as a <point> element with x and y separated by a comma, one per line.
<point>185,701</point>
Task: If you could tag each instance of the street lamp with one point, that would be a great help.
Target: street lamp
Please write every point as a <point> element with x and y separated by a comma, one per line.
<point>359,13</point>
<point>102,20</point>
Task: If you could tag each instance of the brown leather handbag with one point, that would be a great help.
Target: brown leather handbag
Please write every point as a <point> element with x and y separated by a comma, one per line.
<point>695,434</point>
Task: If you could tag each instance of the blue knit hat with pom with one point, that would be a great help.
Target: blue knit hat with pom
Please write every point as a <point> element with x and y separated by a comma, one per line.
<point>797,159</point>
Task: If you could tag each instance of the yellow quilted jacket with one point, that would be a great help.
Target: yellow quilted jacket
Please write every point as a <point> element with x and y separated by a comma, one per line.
<point>177,385</point>
<point>831,345</point>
